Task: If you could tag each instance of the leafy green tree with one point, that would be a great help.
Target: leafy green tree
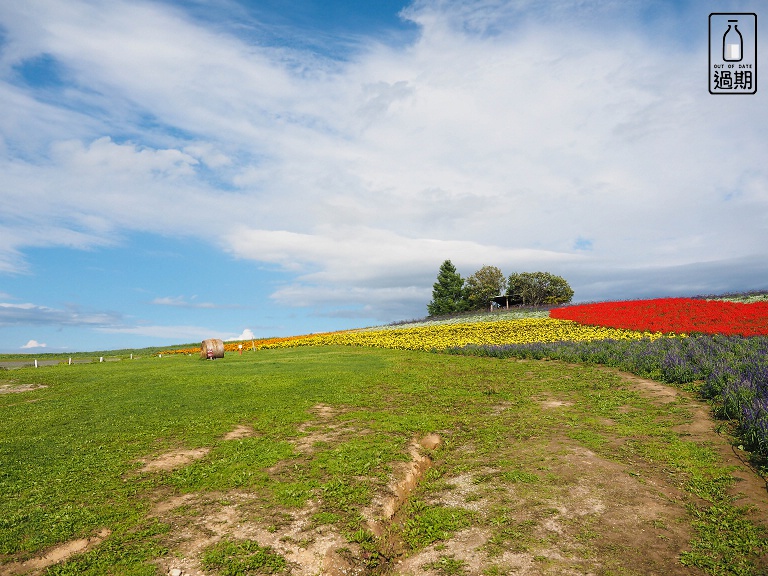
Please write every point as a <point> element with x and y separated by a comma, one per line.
<point>448,292</point>
<point>483,285</point>
<point>538,288</point>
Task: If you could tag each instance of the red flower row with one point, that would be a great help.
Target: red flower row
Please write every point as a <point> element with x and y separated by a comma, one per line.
<point>678,315</point>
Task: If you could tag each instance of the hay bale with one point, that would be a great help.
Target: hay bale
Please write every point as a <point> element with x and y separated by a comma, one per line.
<point>216,347</point>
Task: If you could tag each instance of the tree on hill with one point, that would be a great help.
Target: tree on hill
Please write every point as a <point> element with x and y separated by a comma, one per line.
<point>448,292</point>
<point>538,288</point>
<point>483,285</point>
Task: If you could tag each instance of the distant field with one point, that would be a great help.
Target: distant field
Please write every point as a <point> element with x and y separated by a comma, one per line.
<point>367,461</point>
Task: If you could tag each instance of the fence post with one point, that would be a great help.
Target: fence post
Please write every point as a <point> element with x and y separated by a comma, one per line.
<point>35,362</point>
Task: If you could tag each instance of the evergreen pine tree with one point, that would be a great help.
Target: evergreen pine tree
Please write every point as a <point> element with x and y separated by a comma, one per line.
<point>448,292</point>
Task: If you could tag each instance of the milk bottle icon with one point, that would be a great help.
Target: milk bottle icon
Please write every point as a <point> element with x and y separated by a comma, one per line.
<point>733,43</point>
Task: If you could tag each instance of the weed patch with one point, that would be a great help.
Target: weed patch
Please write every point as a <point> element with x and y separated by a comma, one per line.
<point>425,524</point>
<point>242,558</point>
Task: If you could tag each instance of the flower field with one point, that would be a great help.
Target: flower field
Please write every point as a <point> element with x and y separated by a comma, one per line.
<point>442,336</point>
<point>626,320</point>
<point>447,335</point>
<point>673,315</point>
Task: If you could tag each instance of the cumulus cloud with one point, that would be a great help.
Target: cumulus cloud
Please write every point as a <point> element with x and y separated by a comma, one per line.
<point>575,136</point>
<point>33,344</point>
<point>246,335</point>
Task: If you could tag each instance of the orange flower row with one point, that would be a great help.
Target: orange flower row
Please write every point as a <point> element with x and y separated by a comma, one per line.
<point>256,344</point>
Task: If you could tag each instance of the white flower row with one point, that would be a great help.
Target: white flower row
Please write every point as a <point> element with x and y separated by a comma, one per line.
<point>468,319</point>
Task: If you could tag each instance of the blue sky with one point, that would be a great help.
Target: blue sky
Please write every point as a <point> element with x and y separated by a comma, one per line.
<point>173,171</point>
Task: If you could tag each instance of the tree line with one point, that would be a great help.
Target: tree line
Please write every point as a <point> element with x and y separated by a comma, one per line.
<point>452,293</point>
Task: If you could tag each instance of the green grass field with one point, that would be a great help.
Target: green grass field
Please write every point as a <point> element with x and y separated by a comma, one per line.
<point>543,466</point>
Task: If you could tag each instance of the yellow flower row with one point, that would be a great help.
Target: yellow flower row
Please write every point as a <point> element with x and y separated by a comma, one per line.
<point>442,336</point>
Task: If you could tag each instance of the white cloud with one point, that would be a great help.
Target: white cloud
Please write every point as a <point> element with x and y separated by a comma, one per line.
<point>359,253</point>
<point>33,344</point>
<point>120,160</point>
<point>504,135</point>
<point>207,154</point>
<point>246,335</point>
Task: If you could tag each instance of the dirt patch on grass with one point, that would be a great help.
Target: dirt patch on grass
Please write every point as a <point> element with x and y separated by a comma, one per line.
<point>55,555</point>
<point>465,551</point>
<point>11,387</point>
<point>199,521</point>
<point>174,459</point>
<point>555,528</point>
<point>240,432</point>
<point>555,403</point>
<point>182,457</point>
<point>309,545</point>
<point>321,430</point>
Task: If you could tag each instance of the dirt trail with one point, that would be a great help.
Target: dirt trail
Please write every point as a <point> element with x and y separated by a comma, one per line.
<point>54,555</point>
<point>750,488</point>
